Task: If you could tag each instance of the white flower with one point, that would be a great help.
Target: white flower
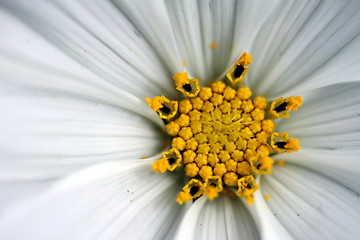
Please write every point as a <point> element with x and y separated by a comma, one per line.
<point>74,123</point>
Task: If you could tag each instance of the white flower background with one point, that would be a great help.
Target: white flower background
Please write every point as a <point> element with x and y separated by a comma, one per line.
<point>74,123</point>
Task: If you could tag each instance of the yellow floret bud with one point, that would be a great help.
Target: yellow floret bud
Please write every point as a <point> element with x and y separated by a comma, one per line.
<point>224,156</point>
<point>203,148</point>
<point>230,179</point>
<point>229,93</point>
<point>237,155</point>
<point>207,107</point>
<point>195,115</point>
<point>185,133</point>
<point>218,87</point>
<point>243,93</point>
<point>201,160</point>
<point>212,159</point>
<point>197,103</point>
<point>220,169</point>
<point>231,165</point>
<point>267,125</point>
<point>173,128</point>
<point>258,114</point>
<point>191,170</point>
<point>189,156</point>
<point>196,127</point>
<point>183,120</point>
<point>260,102</point>
<point>178,143</point>
<point>236,103</point>
<point>255,127</point>
<point>205,171</point>
<point>205,93</point>
<point>191,144</point>
<point>216,99</point>
<point>243,168</point>
<point>185,106</point>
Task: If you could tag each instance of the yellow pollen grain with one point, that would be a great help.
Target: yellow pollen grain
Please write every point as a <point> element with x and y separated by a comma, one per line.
<point>267,196</point>
<point>213,45</point>
<point>222,136</point>
<point>280,163</point>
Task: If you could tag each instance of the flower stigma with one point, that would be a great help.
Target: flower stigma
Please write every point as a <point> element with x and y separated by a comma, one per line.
<point>222,136</point>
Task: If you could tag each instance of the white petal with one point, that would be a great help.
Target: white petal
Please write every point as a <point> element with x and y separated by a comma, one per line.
<point>343,166</point>
<point>45,137</point>
<point>222,218</point>
<point>116,200</point>
<point>96,36</point>
<point>231,25</point>
<point>306,45</point>
<point>269,226</point>
<point>311,206</point>
<point>328,119</point>
<point>58,115</point>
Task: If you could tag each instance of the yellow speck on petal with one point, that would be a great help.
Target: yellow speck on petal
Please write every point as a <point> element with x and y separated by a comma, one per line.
<point>213,45</point>
<point>143,157</point>
<point>173,128</point>
<point>267,196</point>
<point>184,63</point>
<point>280,163</point>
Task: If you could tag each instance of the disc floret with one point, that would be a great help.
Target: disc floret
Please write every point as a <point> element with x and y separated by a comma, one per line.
<point>222,137</point>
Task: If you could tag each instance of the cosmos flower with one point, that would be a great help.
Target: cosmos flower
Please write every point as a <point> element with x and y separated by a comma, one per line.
<point>78,139</point>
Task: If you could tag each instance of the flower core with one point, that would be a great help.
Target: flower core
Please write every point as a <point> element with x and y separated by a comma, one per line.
<point>222,136</point>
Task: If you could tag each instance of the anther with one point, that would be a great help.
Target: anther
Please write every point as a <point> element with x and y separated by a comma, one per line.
<point>189,87</point>
<point>280,107</point>
<point>164,107</point>
<point>239,70</point>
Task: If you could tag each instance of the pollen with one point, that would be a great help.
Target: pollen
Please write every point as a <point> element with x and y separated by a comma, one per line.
<point>223,137</point>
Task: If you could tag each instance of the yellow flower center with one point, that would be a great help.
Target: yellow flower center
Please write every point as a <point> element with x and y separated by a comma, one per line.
<point>222,136</point>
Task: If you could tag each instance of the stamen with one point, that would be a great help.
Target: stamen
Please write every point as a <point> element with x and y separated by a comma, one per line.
<point>222,137</point>
<point>239,70</point>
<point>189,87</point>
<point>164,107</point>
<point>280,107</point>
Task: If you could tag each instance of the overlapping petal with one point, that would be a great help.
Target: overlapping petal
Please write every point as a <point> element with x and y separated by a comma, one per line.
<point>223,218</point>
<point>311,206</point>
<point>306,45</point>
<point>114,200</point>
